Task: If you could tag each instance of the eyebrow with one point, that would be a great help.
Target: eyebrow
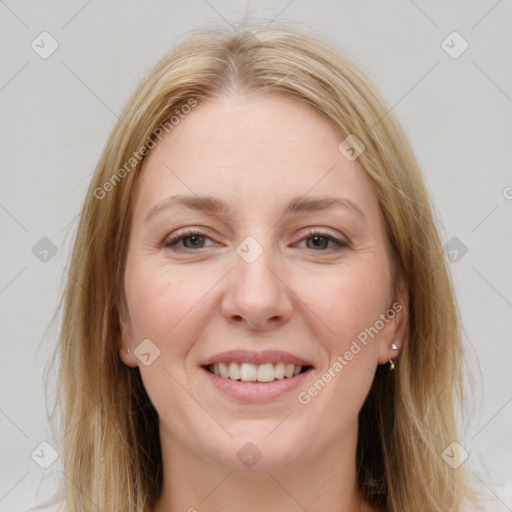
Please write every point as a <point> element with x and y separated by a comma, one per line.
<point>216,206</point>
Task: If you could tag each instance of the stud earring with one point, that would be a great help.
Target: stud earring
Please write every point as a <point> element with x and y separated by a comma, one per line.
<point>128,350</point>
<point>394,347</point>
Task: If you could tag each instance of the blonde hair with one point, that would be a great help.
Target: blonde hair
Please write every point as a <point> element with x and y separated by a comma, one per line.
<point>111,451</point>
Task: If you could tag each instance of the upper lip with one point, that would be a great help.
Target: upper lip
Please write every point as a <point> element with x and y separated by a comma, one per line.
<point>258,358</point>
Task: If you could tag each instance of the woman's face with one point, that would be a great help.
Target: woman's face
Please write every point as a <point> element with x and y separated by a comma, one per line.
<point>286,264</point>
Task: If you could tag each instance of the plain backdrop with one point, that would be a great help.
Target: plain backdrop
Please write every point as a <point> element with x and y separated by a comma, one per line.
<point>57,111</point>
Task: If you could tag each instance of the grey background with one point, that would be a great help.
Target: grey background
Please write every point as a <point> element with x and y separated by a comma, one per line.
<point>57,113</point>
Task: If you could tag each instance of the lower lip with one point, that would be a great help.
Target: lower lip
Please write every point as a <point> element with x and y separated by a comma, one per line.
<point>256,391</point>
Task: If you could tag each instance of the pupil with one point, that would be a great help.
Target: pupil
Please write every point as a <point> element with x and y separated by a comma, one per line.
<point>319,241</point>
<point>194,240</point>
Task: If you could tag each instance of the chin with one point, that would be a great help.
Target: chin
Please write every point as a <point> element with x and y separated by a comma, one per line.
<point>259,450</point>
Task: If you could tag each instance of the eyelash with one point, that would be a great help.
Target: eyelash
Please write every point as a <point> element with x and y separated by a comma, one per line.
<point>170,242</point>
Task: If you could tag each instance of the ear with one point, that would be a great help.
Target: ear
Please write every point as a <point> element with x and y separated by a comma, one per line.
<point>394,331</point>
<point>127,342</point>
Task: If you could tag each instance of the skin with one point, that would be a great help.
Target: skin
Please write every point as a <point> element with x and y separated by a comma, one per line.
<point>308,297</point>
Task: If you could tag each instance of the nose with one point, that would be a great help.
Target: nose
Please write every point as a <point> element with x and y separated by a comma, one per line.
<point>257,295</point>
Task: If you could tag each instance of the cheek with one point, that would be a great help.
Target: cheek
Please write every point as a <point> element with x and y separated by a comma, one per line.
<point>346,301</point>
<point>165,306</point>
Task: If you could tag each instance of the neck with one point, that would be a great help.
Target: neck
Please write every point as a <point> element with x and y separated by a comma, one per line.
<point>319,481</point>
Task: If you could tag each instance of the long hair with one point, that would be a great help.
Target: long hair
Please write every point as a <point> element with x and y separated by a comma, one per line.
<point>110,442</point>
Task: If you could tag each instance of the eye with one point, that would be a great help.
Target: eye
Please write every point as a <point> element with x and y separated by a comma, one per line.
<point>319,241</point>
<point>189,239</point>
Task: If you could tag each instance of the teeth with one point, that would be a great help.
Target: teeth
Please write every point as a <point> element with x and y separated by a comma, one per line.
<point>288,370</point>
<point>248,372</point>
<point>266,373</point>
<point>234,371</point>
<point>279,370</point>
<point>224,370</point>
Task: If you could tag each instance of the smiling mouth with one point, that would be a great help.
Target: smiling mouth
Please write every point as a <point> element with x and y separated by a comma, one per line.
<point>248,372</point>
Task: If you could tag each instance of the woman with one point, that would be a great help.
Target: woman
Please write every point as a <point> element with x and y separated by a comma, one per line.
<point>258,314</point>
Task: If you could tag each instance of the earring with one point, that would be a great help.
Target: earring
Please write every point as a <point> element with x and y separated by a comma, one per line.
<point>128,350</point>
<point>391,363</point>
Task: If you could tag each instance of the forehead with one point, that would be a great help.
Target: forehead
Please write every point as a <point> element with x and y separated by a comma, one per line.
<point>255,151</point>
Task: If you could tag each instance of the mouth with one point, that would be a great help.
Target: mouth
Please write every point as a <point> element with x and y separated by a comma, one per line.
<point>255,377</point>
<point>256,373</point>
